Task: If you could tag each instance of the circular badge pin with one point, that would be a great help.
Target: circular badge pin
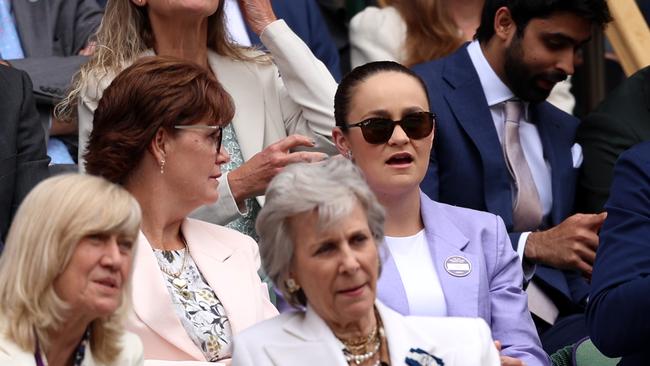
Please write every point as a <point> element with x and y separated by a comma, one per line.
<point>458,266</point>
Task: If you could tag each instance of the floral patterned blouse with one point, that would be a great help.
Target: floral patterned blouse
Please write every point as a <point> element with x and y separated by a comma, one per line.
<point>197,306</point>
<point>246,223</point>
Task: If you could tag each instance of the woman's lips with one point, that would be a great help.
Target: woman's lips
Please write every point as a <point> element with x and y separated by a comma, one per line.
<point>402,159</point>
<point>353,291</point>
<point>108,282</point>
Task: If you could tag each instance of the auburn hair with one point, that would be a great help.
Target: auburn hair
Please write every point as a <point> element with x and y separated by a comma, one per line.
<point>153,93</point>
<point>430,31</point>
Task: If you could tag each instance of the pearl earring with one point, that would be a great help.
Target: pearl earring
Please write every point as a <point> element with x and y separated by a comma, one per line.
<point>291,284</point>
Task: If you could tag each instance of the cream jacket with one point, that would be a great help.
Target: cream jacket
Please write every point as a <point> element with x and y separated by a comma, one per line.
<point>303,338</point>
<point>294,94</point>
<point>131,355</point>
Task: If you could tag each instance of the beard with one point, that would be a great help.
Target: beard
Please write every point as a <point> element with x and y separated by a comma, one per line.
<point>522,80</point>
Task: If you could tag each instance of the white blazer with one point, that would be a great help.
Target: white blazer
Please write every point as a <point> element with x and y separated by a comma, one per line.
<point>303,338</point>
<point>130,355</point>
<point>294,94</point>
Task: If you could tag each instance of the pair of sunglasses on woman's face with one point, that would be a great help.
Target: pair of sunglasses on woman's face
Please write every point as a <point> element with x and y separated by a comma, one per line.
<point>378,130</point>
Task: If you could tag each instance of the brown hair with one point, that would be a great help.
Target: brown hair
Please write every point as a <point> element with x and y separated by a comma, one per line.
<point>153,93</point>
<point>430,31</point>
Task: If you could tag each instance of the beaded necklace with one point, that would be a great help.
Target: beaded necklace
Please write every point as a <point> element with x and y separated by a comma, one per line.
<point>79,353</point>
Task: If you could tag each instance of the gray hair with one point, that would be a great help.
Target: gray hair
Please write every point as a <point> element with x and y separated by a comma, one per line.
<point>331,188</point>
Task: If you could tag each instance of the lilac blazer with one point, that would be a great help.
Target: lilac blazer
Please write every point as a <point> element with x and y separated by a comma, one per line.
<point>492,289</point>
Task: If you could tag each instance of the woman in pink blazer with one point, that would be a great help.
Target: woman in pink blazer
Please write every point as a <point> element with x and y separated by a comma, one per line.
<point>157,132</point>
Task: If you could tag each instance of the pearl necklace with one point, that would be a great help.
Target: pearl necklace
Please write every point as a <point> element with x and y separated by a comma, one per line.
<point>370,344</point>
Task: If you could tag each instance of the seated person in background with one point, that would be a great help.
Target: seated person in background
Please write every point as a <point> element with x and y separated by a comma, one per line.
<point>320,233</point>
<point>158,132</point>
<point>305,20</point>
<point>620,296</point>
<point>65,273</point>
<point>425,239</point>
<point>271,102</point>
<point>50,40</point>
<point>618,123</point>
<point>416,31</point>
<point>500,147</point>
<point>23,157</point>
<point>406,31</point>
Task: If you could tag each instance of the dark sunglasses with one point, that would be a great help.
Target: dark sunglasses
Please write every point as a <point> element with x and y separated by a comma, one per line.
<point>217,137</point>
<point>378,130</point>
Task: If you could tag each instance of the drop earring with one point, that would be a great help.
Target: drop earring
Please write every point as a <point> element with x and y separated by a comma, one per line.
<point>162,166</point>
<point>291,284</point>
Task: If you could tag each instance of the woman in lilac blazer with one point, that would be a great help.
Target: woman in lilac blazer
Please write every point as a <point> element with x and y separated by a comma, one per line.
<point>441,260</point>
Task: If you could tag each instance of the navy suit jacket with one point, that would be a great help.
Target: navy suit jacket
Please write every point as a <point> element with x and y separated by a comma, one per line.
<point>305,19</point>
<point>617,314</point>
<point>467,167</point>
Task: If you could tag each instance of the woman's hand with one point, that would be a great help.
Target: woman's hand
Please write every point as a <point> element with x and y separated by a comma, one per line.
<point>252,177</point>
<point>258,14</point>
<point>508,361</point>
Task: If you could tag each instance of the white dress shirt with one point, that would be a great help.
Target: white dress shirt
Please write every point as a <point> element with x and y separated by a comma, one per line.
<point>419,277</point>
<point>496,93</point>
<point>235,24</point>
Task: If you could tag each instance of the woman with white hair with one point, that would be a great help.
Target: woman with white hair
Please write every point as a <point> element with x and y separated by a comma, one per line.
<point>65,275</point>
<point>319,235</point>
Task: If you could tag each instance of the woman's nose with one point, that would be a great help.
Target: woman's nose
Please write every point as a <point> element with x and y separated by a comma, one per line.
<point>349,261</point>
<point>399,137</point>
<point>222,157</point>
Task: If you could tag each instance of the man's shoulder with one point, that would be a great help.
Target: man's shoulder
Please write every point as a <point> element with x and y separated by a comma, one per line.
<point>436,67</point>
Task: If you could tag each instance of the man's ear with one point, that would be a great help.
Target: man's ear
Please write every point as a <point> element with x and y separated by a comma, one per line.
<point>341,141</point>
<point>504,25</point>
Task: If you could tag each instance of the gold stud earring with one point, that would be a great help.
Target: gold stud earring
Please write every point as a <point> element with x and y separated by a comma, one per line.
<point>291,284</point>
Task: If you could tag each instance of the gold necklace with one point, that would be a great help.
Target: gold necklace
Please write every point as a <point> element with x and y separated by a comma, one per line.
<point>177,281</point>
<point>362,349</point>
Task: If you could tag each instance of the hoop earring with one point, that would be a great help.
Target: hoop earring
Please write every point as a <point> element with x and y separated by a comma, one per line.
<point>292,286</point>
<point>162,166</point>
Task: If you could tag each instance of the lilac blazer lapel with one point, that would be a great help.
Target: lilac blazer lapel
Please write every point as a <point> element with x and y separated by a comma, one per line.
<point>445,241</point>
<point>390,289</point>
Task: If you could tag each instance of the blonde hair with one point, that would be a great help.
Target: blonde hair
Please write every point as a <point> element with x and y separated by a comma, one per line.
<point>123,35</point>
<point>430,31</point>
<point>48,225</point>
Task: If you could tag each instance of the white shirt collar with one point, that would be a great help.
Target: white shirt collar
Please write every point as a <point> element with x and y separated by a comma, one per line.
<point>496,92</point>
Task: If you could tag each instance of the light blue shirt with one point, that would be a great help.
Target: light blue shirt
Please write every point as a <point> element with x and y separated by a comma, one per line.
<point>10,47</point>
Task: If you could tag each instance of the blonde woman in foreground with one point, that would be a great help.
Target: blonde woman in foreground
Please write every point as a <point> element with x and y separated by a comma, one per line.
<point>65,275</point>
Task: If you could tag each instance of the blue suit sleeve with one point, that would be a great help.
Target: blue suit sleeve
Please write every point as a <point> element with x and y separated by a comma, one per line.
<point>617,312</point>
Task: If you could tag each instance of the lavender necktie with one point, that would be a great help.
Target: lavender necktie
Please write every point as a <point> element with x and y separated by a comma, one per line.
<point>527,208</point>
<point>10,48</point>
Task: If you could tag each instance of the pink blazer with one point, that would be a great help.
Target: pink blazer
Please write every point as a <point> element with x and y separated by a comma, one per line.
<point>228,261</point>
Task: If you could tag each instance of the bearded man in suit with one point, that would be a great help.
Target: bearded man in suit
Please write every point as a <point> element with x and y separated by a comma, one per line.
<point>500,147</point>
